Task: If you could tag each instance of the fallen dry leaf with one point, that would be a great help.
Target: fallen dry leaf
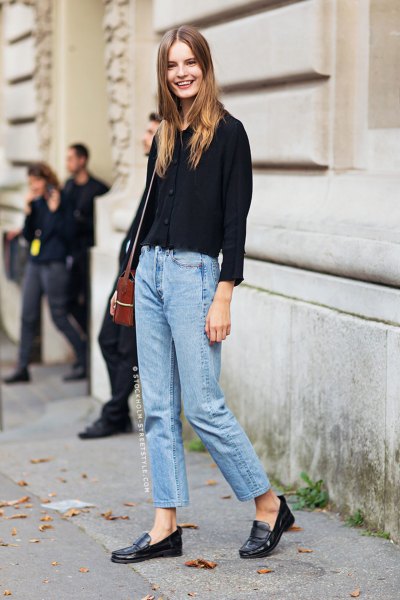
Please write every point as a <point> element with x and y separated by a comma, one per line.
<point>14,531</point>
<point>17,516</point>
<point>201,563</point>
<point>55,563</point>
<point>304,550</point>
<point>84,476</point>
<point>47,518</point>
<point>36,461</point>
<point>110,517</point>
<point>45,580</point>
<point>44,527</point>
<point>192,594</point>
<point>52,494</point>
<point>265,570</point>
<point>211,482</point>
<point>62,480</point>
<point>130,503</point>
<point>14,502</point>
<point>84,570</point>
<point>7,593</point>
<point>28,505</point>
<point>6,544</point>
<point>22,483</point>
<point>295,528</point>
<point>155,586</point>
<point>148,597</point>
<point>356,593</point>
<point>189,525</point>
<point>34,541</point>
<point>226,497</point>
<point>72,512</point>
<point>45,500</point>
<point>213,464</point>
<point>1,512</point>
<point>22,500</point>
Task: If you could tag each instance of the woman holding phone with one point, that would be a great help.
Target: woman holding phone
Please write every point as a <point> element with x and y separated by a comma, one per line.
<point>49,229</point>
<point>198,205</point>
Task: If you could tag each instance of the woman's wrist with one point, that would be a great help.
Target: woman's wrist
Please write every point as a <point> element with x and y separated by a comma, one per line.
<point>224,291</point>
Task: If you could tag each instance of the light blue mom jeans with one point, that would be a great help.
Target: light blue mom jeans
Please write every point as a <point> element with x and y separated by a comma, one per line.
<point>174,289</point>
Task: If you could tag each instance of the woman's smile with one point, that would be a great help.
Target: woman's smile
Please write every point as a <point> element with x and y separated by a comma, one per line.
<point>184,84</point>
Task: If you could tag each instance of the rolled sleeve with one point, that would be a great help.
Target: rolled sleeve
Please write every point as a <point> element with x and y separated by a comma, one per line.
<point>238,189</point>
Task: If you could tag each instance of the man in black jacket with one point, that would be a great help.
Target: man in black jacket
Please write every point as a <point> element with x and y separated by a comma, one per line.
<point>118,343</point>
<point>80,191</point>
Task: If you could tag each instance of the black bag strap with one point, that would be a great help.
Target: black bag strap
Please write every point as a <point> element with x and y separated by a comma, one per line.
<point>129,265</point>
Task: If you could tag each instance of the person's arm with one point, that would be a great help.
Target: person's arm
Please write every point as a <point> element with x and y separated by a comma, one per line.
<point>85,217</point>
<point>28,229</point>
<point>59,224</point>
<point>238,188</point>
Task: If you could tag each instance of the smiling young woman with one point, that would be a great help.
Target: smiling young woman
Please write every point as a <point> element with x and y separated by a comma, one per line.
<point>197,207</point>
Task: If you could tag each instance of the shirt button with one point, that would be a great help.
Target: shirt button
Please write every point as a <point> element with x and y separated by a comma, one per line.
<point>166,221</point>
<point>171,191</point>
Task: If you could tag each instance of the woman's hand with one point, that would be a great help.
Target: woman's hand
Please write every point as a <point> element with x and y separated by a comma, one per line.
<point>218,320</point>
<point>53,201</point>
<point>113,303</point>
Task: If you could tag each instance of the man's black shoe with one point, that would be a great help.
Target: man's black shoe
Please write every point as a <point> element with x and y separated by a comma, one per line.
<point>19,376</point>
<point>263,539</point>
<point>78,372</point>
<point>101,429</point>
<point>141,549</point>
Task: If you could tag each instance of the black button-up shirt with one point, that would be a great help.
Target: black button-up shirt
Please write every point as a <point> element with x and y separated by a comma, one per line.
<point>56,230</point>
<point>206,209</point>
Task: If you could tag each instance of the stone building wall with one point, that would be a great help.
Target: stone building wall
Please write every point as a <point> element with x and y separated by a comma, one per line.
<point>48,47</point>
<point>312,365</point>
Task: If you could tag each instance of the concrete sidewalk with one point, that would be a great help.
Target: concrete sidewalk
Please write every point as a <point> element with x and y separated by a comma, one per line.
<point>108,473</point>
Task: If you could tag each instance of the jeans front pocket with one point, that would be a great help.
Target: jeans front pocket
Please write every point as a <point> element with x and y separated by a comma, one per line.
<point>189,259</point>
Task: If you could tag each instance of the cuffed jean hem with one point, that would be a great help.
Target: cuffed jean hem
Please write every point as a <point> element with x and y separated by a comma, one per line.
<point>255,494</point>
<point>170,504</point>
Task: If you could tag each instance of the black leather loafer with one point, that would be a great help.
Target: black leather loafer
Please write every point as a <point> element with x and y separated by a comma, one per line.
<point>262,540</point>
<point>19,376</point>
<point>141,549</point>
<point>100,429</point>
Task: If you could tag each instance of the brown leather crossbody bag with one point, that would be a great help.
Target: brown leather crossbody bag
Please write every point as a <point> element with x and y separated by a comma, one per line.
<point>124,313</point>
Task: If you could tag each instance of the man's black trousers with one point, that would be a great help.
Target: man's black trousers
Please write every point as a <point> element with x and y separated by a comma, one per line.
<point>118,346</point>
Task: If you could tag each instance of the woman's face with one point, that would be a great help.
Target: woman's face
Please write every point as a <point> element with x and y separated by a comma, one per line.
<point>37,185</point>
<point>184,69</point>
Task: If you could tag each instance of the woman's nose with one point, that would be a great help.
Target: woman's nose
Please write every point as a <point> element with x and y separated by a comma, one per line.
<point>181,70</point>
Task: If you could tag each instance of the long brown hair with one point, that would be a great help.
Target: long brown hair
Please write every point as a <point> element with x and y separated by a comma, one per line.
<point>206,109</point>
<point>44,171</point>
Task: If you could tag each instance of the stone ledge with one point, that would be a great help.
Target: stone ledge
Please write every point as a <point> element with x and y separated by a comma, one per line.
<point>358,298</point>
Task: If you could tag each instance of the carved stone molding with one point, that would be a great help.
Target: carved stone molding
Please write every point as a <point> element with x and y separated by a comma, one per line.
<point>42,35</point>
<point>117,47</point>
<point>43,74</point>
